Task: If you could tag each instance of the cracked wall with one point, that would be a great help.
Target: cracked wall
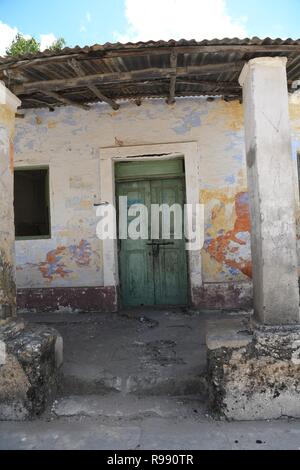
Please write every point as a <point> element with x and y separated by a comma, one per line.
<point>7,271</point>
<point>69,141</point>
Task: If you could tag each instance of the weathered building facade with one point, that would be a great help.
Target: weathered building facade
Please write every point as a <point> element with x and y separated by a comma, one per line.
<point>53,273</point>
<point>237,146</point>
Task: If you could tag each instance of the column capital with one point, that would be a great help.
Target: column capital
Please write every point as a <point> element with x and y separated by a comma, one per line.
<point>261,61</point>
<point>8,99</point>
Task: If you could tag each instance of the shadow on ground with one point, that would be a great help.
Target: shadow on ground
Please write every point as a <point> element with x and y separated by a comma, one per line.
<point>136,380</point>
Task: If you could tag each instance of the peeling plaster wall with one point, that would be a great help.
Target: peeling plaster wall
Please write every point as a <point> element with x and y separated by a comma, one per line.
<point>69,141</point>
<point>7,255</point>
<point>295,128</point>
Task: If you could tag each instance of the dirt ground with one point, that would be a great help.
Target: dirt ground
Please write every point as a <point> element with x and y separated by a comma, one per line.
<point>136,380</point>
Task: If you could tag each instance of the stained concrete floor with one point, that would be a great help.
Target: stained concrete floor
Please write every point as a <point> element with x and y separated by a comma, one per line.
<point>138,351</point>
<point>136,380</point>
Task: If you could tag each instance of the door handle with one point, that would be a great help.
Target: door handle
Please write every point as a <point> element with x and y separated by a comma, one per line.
<point>155,248</point>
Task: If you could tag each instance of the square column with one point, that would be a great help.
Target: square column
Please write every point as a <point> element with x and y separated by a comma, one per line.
<point>254,368</point>
<point>271,192</point>
<point>29,374</point>
<point>8,107</point>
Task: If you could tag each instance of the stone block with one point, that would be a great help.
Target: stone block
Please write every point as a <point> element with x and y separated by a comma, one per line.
<point>29,378</point>
<point>253,379</point>
<point>14,387</point>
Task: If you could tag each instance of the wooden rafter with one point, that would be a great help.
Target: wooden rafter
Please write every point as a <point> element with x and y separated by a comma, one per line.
<point>205,86</point>
<point>42,102</point>
<point>209,83</point>
<point>121,77</point>
<point>173,64</point>
<point>80,73</point>
<point>65,100</point>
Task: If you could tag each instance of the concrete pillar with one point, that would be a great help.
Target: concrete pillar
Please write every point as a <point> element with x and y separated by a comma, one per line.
<point>272,197</point>
<point>8,106</point>
<point>27,381</point>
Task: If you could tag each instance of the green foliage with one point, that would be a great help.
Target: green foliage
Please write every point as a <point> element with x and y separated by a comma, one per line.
<point>22,46</point>
<point>59,44</point>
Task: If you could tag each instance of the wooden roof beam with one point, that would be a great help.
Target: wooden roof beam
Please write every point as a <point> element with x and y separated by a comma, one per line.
<point>43,102</point>
<point>80,73</point>
<point>119,77</point>
<point>65,100</point>
<point>172,90</point>
<point>101,52</point>
<point>210,49</point>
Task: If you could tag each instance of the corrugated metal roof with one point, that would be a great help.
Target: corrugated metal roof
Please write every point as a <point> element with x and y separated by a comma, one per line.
<point>139,70</point>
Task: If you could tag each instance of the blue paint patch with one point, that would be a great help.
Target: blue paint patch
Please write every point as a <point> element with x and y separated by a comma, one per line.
<point>244,198</point>
<point>207,242</point>
<point>238,158</point>
<point>30,144</point>
<point>68,117</point>
<point>242,236</point>
<point>230,179</point>
<point>78,130</point>
<point>190,121</point>
<point>234,271</point>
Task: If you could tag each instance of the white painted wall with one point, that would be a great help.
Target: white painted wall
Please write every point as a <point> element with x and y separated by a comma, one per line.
<point>70,140</point>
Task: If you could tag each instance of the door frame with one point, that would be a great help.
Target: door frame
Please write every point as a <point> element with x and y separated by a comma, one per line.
<point>189,151</point>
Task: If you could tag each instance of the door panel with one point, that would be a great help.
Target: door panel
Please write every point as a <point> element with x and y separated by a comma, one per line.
<point>136,270</point>
<point>170,270</point>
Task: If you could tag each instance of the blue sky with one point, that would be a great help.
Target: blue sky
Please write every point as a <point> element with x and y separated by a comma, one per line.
<point>92,21</point>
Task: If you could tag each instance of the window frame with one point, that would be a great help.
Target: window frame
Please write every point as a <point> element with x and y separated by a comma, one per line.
<point>48,199</point>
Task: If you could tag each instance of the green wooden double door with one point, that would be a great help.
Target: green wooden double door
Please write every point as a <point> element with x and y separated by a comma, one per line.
<point>153,271</point>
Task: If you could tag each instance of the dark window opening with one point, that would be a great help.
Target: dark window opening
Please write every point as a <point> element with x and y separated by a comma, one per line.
<point>31,203</point>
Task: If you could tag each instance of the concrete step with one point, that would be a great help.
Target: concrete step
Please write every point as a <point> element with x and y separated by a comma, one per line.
<point>142,352</point>
<point>90,380</point>
<point>128,407</point>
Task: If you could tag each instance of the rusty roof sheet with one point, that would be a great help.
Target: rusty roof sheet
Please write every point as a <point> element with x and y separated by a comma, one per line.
<point>112,72</point>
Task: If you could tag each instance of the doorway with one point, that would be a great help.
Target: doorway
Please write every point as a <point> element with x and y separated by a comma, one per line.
<point>153,271</point>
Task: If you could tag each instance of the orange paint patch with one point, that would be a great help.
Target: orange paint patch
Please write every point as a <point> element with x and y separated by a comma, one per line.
<point>52,124</point>
<point>206,196</point>
<point>53,265</point>
<point>228,248</point>
<point>231,114</point>
<point>11,156</point>
<point>59,261</point>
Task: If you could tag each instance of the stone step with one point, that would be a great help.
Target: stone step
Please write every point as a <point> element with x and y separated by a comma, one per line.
<point>119,406</point>
<point>79,381</point>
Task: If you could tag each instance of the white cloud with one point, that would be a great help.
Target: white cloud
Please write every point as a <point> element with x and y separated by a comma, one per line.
<point>47,40</point>
<point>7,34</point>
<point>85,21</point>
<point>177,19</point>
